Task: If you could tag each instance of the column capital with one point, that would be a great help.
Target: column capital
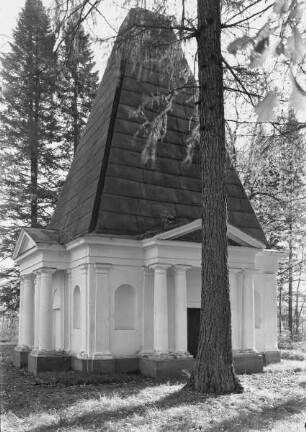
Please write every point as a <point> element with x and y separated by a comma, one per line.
<point>249,272</point>
<point>27,276</point>
<point>181,267</point>
<point>160,266</point>
<point>46,271</point>
<point>235,270</point>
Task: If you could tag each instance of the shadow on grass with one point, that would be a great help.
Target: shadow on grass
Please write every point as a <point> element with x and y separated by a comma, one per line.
<point>261,419</point>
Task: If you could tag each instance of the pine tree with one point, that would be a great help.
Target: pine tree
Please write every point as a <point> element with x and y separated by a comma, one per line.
<point>77,85</point>
<point>28,132</point>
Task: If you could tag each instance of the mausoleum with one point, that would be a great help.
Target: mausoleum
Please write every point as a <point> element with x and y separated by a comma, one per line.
<point>114,283</point>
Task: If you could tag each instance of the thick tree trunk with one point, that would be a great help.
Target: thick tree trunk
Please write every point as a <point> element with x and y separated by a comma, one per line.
<point>213,372</point>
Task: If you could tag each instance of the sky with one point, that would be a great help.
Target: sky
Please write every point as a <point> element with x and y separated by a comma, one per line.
<point>9,10</point>
<point>116,11</point>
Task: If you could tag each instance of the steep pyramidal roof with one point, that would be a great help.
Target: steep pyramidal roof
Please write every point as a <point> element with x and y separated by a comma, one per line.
<point>109,190</point>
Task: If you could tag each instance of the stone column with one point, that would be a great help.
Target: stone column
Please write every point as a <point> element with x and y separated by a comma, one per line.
<point>180,341</point>
<point>161,342</point>
<point>248,312</point>
<point>45,342</point>
<point>36,311</point>
<point>235,307</point>
<point>21,301</point>
<point>28,311</point>
<point>102,315</point>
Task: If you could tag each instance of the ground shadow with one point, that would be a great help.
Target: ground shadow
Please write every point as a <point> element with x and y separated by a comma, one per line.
<point>262,420</point>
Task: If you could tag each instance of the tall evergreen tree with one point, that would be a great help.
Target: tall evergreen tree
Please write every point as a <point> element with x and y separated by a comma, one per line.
<point>77,86</point>
<point>28,132</point>
<point>45,101</point>
<point>27,118</point>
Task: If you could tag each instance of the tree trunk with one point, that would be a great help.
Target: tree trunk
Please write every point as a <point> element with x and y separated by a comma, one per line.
<point>33,164</point>
<point>75,112</point>
<point>213,372</point>
<point>290,283</point>
<point>280,308</point>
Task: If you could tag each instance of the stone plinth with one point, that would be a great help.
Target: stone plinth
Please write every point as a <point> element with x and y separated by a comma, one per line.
<point>247,362</point>
<point>98,366</point>
<point>273,356</point>
<point>48,362</point>
<point>165,366</point>
<point>20,357</point>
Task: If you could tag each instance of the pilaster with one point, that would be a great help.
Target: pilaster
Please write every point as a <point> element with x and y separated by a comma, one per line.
<point>102,313</point>
<point>248,315</point>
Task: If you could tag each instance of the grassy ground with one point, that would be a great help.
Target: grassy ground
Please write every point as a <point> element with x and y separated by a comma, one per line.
<point>272,401</point>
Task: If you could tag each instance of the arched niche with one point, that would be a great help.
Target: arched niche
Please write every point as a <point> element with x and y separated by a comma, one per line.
<point>76,307</point>
<point>125,308</point>
<point>56,302</point>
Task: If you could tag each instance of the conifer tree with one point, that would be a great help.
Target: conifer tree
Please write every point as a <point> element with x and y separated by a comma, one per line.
<point>28,133</point>
<point>45,101</point>
<point>77,85</point>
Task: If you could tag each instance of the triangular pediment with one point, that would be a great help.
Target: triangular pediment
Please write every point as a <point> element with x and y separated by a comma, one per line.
<point>32,238</point>
<point>24,244</point>
<point>192,232</point>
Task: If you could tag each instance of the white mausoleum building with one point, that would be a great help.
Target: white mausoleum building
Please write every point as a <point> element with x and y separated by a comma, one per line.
<point>114,283</point>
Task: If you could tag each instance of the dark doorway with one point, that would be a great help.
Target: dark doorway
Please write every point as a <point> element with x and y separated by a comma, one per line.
<point>193,328</point>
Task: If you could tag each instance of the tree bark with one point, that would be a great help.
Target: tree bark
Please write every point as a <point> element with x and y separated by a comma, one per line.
<point>290,282</point>
<point>74,111</point>
<point>213,372</point>
<point>280,306</point>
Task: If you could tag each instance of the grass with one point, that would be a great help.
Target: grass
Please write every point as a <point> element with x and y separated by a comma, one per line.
<point>272,401</point>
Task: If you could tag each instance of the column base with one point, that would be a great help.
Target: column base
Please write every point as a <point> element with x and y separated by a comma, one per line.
<point>127,365</point>
<point>271,356</point>
<point>93,365</point>
<point>20,356</point>
<point>247,362</point>
<point>48,362</point>
<point>163,366</point>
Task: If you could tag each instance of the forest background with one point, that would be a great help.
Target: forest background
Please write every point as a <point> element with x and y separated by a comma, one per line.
<point>269,154</point>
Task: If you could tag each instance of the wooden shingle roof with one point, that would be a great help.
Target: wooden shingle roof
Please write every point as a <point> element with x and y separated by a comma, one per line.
<point>110,191</point>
